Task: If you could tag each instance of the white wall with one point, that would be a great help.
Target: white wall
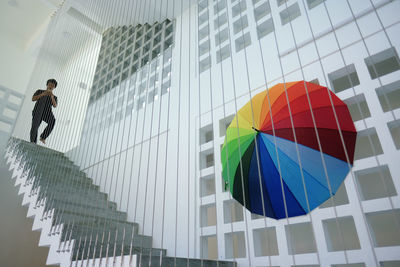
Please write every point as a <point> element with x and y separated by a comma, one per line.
<point>149,140</point>
<point>17,65</point>
<point>70,74</point>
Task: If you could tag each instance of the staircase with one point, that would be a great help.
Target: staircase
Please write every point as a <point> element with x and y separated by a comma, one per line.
<point>77,221</point>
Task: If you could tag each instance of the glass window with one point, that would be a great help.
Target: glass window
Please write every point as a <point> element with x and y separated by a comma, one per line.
<point>340,198</point>
<point>152,96</point>
<point>224,123</point>
<point>375,183</point>
<point>141,102</point>
<point>126,63</point>
<point>265,28</point>
<point>115,82</point>
<point>290,13</point>
<point>165,87</point>
<point>358,107</point>
<point>169,29</point>
<point>134,68</point>
<point>389,263</point>
<point>208,215</point>
<point>145,60</point>
<point>300,238</point>
<point>204,47</point>
<point>262,11</point>
<point>243,42</point>
<point>209,160</point>
<point>341,234</point>
<point>367,144</point>
<point>167,55</point>
<point>206,134</point>
<point>220,21</point>
<point>207,186</point>
<point>223,53</point>
<point>265,242</point>
<point>343,78</point>
<point>139,33</point>
<point>205,64</point>
<point>221,36</point>
<point>382,63</point>
<point>156,52</point>
<point>203,5</point>
<point>394,128</point>
<point>154,65</point>
<point>142,87</point>
<point>206,159</point>
<point>239,8</point>
<point>220,5</point>
<point>235,245</point>
<point>384,226</point>
<point>129,109</point>
<point>209,248</point>
<point>203,18</point>
<point>240,24</point>
<point>166,72</point>
<point>233,211</point>
<point>389,96</point>
<point>138,44</point>
<point>313,3</point>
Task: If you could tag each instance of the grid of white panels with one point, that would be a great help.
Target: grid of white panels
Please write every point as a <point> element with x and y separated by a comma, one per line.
<point>125,50</point>
<point>363,220</point>
<point>133,69</point>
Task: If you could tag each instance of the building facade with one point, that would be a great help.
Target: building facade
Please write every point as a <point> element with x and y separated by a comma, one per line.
<point>164,93</point>
<point>348,46</point>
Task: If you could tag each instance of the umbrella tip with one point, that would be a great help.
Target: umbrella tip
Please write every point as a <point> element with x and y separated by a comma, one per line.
<point>255,129</point>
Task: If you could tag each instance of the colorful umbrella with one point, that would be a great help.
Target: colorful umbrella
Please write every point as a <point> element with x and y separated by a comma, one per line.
<point>284,154</point>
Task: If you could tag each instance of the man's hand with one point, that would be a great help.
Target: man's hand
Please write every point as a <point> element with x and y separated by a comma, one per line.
<point>53,101</point>
<point>45,93</point>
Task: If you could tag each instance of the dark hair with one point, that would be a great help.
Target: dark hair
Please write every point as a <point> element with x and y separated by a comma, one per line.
<point>52,81</point>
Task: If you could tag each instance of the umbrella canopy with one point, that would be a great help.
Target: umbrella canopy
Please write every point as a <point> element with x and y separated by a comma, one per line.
<point>288,149</point>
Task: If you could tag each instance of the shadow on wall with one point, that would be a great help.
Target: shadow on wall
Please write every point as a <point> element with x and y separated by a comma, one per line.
<point>19,246</point>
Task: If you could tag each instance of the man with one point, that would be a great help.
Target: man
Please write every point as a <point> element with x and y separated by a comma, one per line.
<point>42,111</point>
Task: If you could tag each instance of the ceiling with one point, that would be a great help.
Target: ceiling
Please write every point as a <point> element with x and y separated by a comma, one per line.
<point>24,22</point>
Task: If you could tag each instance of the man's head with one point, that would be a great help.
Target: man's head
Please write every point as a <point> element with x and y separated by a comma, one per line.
<point>51,84</point>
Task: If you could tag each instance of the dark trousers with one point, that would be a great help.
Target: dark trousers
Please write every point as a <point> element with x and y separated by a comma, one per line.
<point>37,120</point>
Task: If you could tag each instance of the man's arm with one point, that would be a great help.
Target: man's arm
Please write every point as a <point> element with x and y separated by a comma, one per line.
<point>53,101</point>
<point>39,95</point>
